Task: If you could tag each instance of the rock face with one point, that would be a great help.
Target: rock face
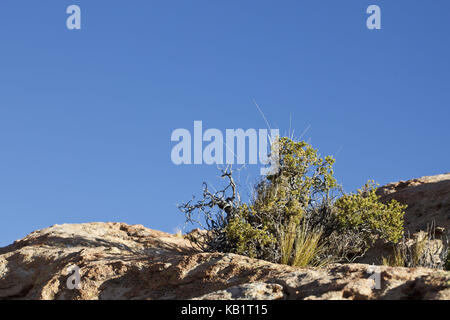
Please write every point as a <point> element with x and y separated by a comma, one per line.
<point>119,261</point>
<point>428,200</point>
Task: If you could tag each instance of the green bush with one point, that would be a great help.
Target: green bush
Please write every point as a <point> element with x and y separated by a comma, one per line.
<point>363,213</point>
<point>244,238</point>
<point>280,204</point>
<point>295,215</point>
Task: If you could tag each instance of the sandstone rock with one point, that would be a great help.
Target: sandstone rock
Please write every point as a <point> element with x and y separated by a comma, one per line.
<point>248,291</point>
<point>428,200</point>
<point>119,261</point>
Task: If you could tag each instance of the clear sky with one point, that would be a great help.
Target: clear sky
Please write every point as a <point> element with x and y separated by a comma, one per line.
<point>86,115</point>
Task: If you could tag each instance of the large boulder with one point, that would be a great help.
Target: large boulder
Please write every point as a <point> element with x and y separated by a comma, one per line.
<point>119,261</point>
<point>428,200</point>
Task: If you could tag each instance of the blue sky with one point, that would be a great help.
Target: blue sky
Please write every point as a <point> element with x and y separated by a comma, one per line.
<point>86,115</point>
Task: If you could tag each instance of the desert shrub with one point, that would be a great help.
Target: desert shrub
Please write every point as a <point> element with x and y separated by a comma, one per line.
<point>244,238</point>
<point>362,213</point>
<point>297,215</point>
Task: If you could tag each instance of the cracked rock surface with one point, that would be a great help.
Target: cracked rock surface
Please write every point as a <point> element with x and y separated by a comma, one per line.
<point>120,261</point>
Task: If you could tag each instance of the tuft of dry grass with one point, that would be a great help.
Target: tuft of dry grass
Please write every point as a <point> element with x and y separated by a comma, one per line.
<point>287,241</point>
<point>179,234</point>
<point>421,250</point>
<point>301,247</point>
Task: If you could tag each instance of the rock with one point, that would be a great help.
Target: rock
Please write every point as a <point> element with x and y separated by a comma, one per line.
<point>119,261</point>
<point>248,291</point>
<point>428,200</point>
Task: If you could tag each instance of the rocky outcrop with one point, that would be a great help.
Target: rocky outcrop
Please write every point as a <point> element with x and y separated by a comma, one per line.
<point>428,200</point>
<point>119,261</point>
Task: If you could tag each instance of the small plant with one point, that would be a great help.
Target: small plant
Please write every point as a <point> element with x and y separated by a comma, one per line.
<point>304,247</point>
<point>422,250</point>
<point>178,234</point>
<point>397,258</point>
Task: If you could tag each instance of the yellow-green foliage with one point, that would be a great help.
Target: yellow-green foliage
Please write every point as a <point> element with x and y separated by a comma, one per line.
<point>245,238</point>
<point>363,211</point>
<point>293,214</point>
<point>302,247</point>
<point>287,241</point>
<point>287,195</point>
<point>304,169</point>
<point>274,219</point>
